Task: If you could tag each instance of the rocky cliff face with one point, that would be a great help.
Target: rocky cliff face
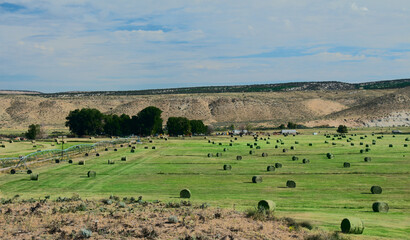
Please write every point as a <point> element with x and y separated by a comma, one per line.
<point>351,107</point>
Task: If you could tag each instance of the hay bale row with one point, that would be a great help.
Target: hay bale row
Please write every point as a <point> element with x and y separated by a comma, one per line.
<point>34,177</point>
<point>185,193</point>
<point>270,168</point>
<point>256,179</point>
<point>352,225</point>
<point>291,184</point>
<point>267,205</point>
<point>376,190</point>
<point>380,207</point>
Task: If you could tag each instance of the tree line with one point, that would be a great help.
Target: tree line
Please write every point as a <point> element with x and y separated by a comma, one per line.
<point>89,121</point>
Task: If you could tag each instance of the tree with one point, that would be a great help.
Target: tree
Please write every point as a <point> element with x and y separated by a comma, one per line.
<point>197,127</point>
<point>282,126</point>
<point>231,127</point>
<point>178,126</point>
<point>34,130</point>
<point>112,125</point>
<point>87,121</point>
<point>342,129</point>
<point>292,125</point>
<point>148,121</point>
<point>248,127</point>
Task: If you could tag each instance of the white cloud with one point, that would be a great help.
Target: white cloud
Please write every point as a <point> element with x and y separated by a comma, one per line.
<point>357,8</point>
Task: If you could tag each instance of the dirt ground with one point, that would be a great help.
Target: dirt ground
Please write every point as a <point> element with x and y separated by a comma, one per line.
<point>73,218</point>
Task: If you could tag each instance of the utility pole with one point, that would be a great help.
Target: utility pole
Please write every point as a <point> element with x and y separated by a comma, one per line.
<point>62,147</point>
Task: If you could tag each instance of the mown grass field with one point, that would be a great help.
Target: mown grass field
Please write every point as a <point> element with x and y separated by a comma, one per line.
<point>326,192</point>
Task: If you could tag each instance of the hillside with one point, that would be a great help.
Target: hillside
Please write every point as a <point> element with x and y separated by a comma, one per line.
<point>353,107</point>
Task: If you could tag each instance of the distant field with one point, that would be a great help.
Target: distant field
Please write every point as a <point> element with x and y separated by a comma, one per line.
<point>326,192</point>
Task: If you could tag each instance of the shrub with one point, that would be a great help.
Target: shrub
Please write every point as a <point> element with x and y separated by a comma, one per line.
<point>172,219</point>
<point>85,233</point>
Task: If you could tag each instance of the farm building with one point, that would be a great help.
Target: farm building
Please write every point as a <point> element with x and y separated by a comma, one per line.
<point>289,132</point>
<point>396,131</point>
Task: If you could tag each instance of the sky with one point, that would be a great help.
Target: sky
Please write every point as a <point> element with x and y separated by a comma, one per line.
<point>80,45</point>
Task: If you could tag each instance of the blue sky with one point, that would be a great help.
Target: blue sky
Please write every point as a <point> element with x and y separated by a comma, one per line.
<point>54,46</point>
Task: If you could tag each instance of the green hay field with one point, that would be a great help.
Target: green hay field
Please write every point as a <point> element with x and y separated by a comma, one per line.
<point>325,192</point>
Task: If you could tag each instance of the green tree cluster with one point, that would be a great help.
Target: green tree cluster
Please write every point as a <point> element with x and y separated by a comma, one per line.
<point>33,131</point>
<point>92,122</point>
<point>183,126</point>
<point>342,129</point>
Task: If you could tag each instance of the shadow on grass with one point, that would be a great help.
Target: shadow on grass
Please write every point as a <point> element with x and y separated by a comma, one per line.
<point>247,182</point>
<point>366,193</point>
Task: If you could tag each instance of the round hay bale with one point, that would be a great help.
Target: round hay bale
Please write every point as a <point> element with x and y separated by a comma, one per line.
<point>346,165</point>
<point>264,154</point>
<point>70,161</point>
<point>248,144</point>
<point>230,144</point>
<point>256,179</point>
<point>81,162</point>
<point>367,150</point>
<point>290,184</point>
<point>124,159</point>
<point>218,154</point>
<point>210,155</point>
<point>133,147</point>
<point>106,149</point>
<point>150,141</point>
<point>296,142</point>
<point>305,160</point>
<point>284,150</point>
<point>330,156</point>
<point>376,190</point>
<point>209,141</point>
<point>97,154</point>
<point>227,167</point>
<point>146,147</point>
<point>292,148</point>
<point>367,145</point>
<point>351,144</point>
<point>258,147</point>
<point>153,147</point>
<point>380,207</point>
<point>12,171</point>
<point>3,146</point>
<point>390,145</point>
<point>405,145</point>
<point>278,165</point>
<point>91,174</point>
<point>238,157</point>
<point>267,142</point>
<point>220,144</point>
<point>361,151</point>
<point>352,225</point>
<point>185,193</point>
<point>361,143</point>
<point>86,154</point>
<point>294,158</point>
<point>29,171</point>
<point>34,176</point>
<point>326,142</point>
<point>256,144</point>
<point>276,146</point>
<point>310,144</point>
<point>225,149</point>
<point>236,138</point>
<point>213,142</point>
<point>367,159</point>
<point>115,149</point>
<point>111,161</point>
<point>132,150</point>
<point>251,152</point>
<point>57,160</point>
<point>251,146</point>
<point>267,205</point>
<point>270,168</point>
